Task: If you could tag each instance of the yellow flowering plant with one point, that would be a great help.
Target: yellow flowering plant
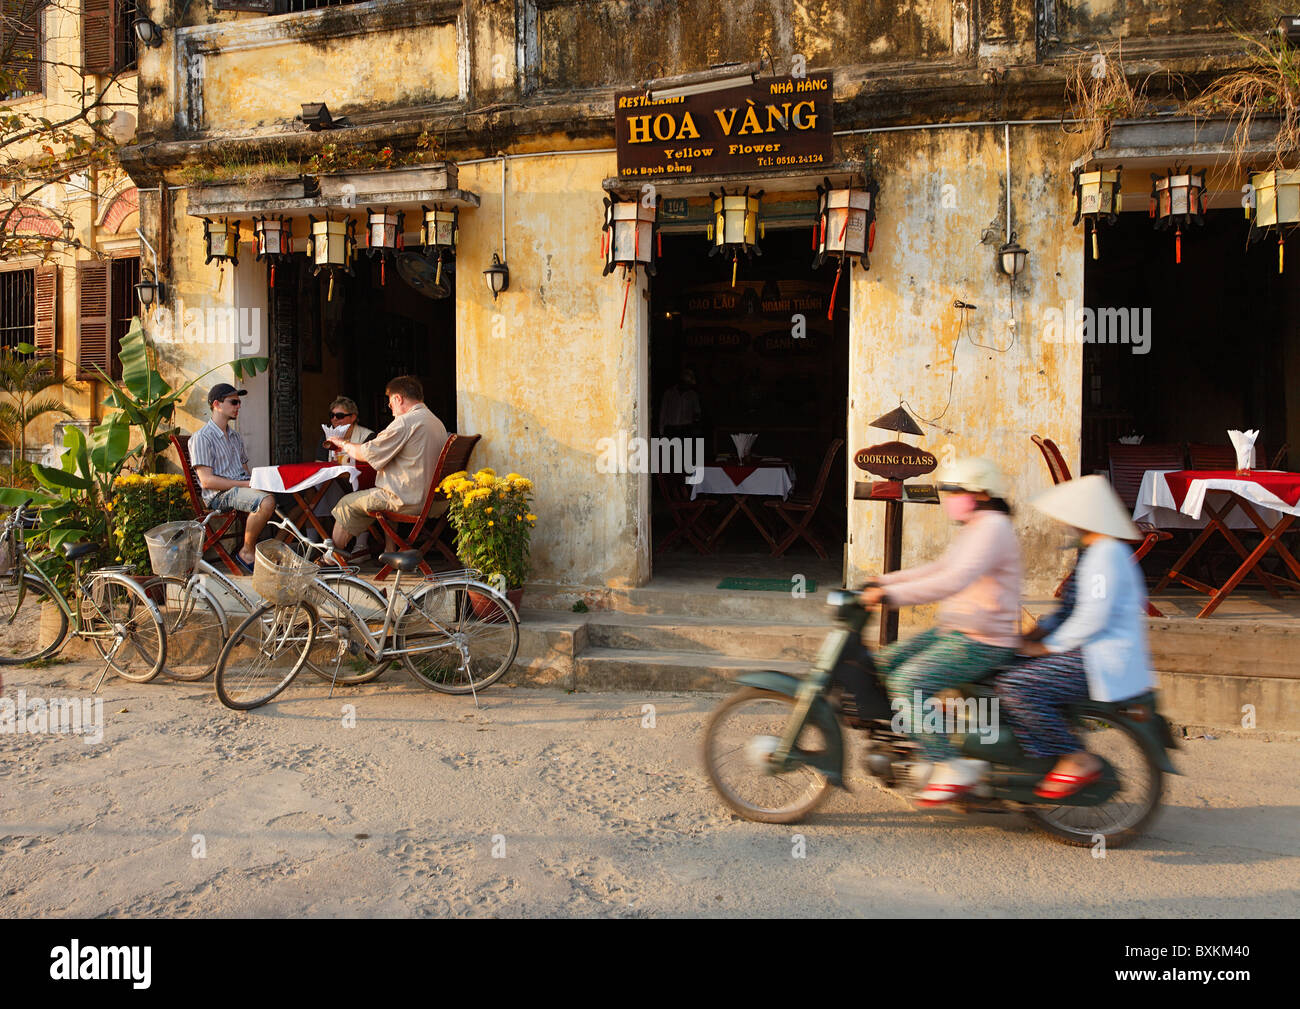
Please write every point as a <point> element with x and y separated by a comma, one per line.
<point>140,502</point>
<point>493,521</point>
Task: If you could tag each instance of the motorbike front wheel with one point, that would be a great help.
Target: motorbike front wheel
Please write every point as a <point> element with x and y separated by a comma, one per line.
<point>1123,816</point>
<point>738,740</point>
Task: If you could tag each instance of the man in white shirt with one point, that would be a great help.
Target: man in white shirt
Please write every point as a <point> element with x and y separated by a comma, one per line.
<point>679,410</point>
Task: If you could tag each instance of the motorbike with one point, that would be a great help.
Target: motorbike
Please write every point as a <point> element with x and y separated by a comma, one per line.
<point>774,748</point>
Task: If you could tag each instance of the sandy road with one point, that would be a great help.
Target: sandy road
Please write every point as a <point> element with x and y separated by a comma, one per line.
<point>295,814</point>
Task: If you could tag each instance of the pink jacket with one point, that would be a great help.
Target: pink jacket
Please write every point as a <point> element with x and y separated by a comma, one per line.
<point>978,577</point>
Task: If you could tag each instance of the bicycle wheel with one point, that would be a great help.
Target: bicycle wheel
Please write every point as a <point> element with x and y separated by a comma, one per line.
<point>264,653</point>
<point>124,625</point>
<point>195,624</point>
<point>339,653</point>
<point>469,633</point>
<point>32,625</point>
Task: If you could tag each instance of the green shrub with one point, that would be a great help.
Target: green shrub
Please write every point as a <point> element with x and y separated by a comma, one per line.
<point>139,503</point>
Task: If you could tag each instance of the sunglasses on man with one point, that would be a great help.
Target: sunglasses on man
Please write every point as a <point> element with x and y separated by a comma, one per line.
<point>234,401</point>
<point>339,416</point>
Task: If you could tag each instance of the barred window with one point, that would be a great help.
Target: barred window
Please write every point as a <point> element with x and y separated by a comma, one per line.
<point>17,308</point>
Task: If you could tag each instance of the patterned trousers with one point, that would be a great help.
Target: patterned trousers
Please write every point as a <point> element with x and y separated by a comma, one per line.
<point>1033,695</point>
<point>933,661</point>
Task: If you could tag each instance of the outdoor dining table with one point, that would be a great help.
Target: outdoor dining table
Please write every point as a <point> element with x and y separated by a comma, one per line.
<point>1181,499</point>
<point>301,478</point>
<point>757,478</point>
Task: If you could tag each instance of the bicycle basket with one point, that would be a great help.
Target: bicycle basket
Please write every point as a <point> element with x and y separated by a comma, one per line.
<point>279,575</point>
<point>174,547</point>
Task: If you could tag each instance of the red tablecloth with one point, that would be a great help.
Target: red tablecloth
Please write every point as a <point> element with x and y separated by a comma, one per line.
<point>1285,485</point>
<point>737,473</point>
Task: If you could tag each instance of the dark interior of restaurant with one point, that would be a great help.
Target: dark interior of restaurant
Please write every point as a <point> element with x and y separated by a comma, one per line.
<point>374,326</point>
<point>1224,348</point>
<point>753,374</point>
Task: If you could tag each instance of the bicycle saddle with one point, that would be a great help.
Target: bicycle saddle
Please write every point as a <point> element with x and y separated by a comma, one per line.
<point>401,560</point>
<point>74,550</point>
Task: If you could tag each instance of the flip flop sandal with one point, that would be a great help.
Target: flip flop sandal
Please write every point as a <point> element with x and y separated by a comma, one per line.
<point>1076,783</point>
<point>243,565</point>
<point>950,792</point>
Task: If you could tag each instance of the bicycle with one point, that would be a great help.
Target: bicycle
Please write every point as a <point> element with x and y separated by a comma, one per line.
<point>111,610</point>
<point>455,634</point>
<point>200,602</point>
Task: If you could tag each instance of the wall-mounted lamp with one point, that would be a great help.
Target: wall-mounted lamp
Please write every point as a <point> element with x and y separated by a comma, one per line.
<point>315,116</point>
<point>146,32</point>
<point>716,78</point>
<point>148,290</point>
<point>1011,257</point>
<point>497,276</point>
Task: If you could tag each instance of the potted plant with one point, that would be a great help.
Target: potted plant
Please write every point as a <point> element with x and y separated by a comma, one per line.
<point>493,522</point>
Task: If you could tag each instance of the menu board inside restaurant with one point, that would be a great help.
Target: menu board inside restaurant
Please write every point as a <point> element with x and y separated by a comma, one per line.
<point>776,122</point>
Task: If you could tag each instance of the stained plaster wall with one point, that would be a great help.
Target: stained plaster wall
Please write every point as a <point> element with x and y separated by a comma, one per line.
<point>545,372</point>
<point>904,327</point>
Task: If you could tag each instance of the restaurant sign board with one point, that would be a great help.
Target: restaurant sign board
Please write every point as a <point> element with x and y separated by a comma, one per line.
<point>895,460</point>
<point>776,122</point>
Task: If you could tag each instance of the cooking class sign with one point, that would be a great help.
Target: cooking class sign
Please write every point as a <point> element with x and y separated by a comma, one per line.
<point>776,122</point>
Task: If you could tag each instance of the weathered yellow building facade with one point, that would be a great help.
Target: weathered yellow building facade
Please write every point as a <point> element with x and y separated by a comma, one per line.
<point>956,106</point>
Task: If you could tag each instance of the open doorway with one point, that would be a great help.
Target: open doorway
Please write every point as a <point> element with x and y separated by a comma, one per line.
<point>350,342</point>
<point>765,360</point>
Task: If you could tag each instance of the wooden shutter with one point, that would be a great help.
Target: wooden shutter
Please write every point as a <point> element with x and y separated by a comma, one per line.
<point>94,315</point>
<point>98,31</point>
<point>47,309</point>
<point>26,19</point>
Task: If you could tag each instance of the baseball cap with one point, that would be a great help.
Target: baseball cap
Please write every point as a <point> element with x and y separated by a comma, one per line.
<point>223,389</point>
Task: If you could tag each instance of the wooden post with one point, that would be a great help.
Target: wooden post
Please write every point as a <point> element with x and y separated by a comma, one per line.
<point>892,561</point>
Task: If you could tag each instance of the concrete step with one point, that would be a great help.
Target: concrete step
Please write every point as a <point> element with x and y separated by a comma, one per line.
<point>598,668</point>
<point>707,636</point>
<point>722,605</point>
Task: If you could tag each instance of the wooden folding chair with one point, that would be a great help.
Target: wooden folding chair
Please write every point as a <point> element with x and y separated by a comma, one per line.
<point>804,507</point>
<point>686,514</point>
<point>454,457</point>
<point>214,532</point>
<point>1211,457</point>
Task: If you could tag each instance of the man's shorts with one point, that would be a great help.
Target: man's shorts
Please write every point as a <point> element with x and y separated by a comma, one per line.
<point>239,499</point>
<point>351,510</point>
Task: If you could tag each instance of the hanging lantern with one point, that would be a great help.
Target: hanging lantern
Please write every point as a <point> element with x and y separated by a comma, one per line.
<point>439,234</point>
<point>845,227</point>
<point>1277,205</point>
<point>384,234</point>
<point>1097,196</point>
<point>1177,200</point>
<point>330,246</point>
<point>221,242</point>
<point>273,238</point>
<point>736,227</point>
<point>630,238</point>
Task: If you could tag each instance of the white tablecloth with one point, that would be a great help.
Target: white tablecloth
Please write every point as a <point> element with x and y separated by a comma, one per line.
<point>1155,503</point>
<point>268,478</point>
<point>766,481</point>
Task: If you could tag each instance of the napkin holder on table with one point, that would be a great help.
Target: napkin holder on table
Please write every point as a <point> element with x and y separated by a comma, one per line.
<point>743,443</point>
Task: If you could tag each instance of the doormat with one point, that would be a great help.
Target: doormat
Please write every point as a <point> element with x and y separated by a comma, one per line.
<point>765,584</point>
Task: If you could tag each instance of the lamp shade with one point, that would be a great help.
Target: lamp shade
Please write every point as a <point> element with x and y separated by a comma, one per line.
<point>630,237</point>
<point>331,243</point>
<point>1097,197</point>
<point>736,226</point>
<point>1277,207</point>
<point>221,241</point>
<point>439,229</point>
<point>1012,257</point>
<point>384,229</point>
<point>497,276</point>
<point>1177,201</point>
<point>273,235</point>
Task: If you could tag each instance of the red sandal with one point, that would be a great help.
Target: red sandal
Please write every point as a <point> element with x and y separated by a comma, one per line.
<point>1075,781</point>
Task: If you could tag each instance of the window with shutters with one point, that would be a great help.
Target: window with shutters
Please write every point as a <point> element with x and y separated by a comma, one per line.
<point>94,317</point>
<point>107,39</point>
<point>125,274</point>
<point>17,307</point>
<point>21,36</point>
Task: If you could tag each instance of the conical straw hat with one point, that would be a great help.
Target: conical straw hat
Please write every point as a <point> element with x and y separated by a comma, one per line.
<point>1088,503</point>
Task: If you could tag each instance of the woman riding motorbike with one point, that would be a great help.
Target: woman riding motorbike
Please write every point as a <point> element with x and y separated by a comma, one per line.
<point>978,578</point>
<point>1094,645</point>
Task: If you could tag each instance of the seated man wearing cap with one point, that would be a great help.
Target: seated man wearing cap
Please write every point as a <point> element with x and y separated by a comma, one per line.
<point>221,466</point>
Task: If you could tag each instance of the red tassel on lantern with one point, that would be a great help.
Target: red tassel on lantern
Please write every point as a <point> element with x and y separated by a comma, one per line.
<point>830,312</point>
<point>659,244</point>
<point>1178,246</point>
<point>871,237</point>
<point>273,274</point>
